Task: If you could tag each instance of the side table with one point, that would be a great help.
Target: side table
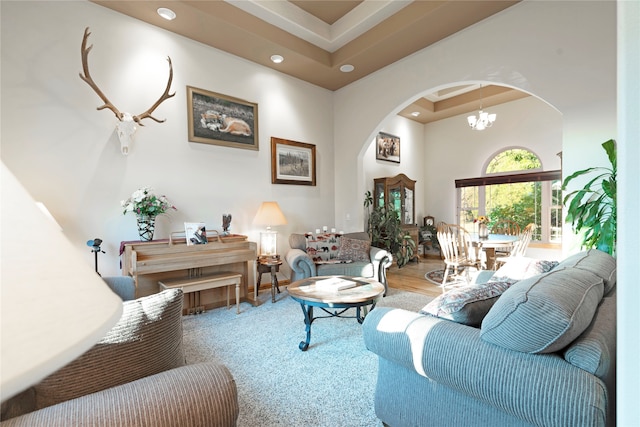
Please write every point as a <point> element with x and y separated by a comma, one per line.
<point>268,266</point>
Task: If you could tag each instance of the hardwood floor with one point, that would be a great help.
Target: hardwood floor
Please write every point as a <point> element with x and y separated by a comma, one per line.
<point>411,277</point>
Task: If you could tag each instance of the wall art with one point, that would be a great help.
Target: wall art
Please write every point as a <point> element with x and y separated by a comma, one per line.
<point>221,120</point>
<point>388,147</point>
<point>292,162</point>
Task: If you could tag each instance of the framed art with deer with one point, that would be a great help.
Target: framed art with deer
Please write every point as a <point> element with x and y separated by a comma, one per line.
<point>388,147</point>
<point>292,162</point>
<point>221,120</point>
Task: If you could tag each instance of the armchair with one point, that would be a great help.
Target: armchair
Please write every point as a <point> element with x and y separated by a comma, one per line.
<point>136,375</point>
<point>303,266</point>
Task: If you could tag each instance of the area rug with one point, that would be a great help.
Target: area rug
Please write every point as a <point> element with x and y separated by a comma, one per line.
<point>436,276</point>
<point>330,384</point>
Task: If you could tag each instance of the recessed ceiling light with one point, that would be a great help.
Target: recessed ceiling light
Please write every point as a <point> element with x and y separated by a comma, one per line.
<point>347,68</point>
<point>415,113</point>
<point>167,14</point>
<point>277,58</point>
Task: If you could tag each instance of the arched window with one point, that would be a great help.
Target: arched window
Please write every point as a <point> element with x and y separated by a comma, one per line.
<point>514,187</point>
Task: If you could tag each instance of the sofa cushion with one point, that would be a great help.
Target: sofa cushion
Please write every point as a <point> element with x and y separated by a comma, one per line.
<point>298,241</point>
<point>146,340</point>
<point>543,314</point>
<point>323,247</point>
<point>469,304</point>
<point>593,351</point>
<point>355,269</point>
<point>600,263</point>
<point>354,250</point>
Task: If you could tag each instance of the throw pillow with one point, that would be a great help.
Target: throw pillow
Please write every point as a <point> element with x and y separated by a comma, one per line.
<point>323,246</point>
<point>146,340</point>
<point>467,304</point>
<point>354,250</point>
<point>543,314</point>
<point>520,268</point>
<point>470,304</point>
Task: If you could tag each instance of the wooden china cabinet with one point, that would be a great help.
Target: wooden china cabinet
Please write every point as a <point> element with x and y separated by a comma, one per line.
<point>399,191</point>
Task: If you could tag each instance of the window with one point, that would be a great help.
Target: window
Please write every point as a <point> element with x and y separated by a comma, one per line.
<point>526,194</point>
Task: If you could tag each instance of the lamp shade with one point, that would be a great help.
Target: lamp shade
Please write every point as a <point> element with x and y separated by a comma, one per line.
<point>54,306</point>
<point>269,214</point>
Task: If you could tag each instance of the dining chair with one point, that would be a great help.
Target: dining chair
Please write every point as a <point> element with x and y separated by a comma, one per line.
<point>520,246</point>
<point>456,247</point>
<point>508,227</point>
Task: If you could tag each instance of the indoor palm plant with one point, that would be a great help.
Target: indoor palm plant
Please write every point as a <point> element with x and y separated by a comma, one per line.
<point>592,209</point>
<point>385,228</point>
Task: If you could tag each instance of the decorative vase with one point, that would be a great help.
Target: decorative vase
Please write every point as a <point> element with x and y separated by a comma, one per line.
<point>146,227</point>
<point>483,231</point>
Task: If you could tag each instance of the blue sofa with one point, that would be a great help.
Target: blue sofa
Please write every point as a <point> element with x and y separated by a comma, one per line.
<point>302,265</point>
<point>543,355</point>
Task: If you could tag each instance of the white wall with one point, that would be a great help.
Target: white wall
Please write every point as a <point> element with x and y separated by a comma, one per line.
<point>455,151</point>
<point>412,149</point>
<point>67,154</point>
<point>528,46</point>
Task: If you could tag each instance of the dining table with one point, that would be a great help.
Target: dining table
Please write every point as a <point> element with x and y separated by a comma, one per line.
<point>490,243</point>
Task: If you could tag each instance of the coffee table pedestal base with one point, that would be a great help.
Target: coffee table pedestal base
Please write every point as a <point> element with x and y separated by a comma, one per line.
<point>361,312</point>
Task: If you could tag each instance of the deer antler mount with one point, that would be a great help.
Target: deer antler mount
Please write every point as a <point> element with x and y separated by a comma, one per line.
<point>126,126</point>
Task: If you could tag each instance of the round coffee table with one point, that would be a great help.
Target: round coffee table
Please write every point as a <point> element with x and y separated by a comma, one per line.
<point>363,297</point>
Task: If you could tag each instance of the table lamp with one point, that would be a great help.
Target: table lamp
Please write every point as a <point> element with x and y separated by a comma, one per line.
<point>269,214</point>
<point>54,306</point>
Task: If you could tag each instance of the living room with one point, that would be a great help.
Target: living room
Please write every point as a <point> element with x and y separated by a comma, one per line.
<point>68,156</point>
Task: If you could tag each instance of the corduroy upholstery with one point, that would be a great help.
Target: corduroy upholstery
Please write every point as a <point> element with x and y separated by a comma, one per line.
<point>134,376</point>
<point>302,266</point>
<point>433,371</point>
<point>194,395</point>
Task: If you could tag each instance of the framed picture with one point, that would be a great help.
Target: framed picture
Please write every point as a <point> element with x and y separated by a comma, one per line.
<point>221,120</point>
<point>292,162</point>
<point>388,147</point>
<point>195,233</point>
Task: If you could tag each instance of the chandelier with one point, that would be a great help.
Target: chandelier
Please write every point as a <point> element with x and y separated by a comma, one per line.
<point>484,119</point>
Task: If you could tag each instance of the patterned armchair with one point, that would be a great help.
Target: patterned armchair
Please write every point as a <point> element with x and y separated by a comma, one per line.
<point>373,264</point>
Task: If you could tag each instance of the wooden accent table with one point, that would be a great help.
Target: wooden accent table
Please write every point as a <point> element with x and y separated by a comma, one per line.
<point>268,266</point>
<point>161,260</point>
<point>366,293</point>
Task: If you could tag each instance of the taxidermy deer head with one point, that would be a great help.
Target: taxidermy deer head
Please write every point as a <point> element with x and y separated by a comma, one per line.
<point>126,126</point>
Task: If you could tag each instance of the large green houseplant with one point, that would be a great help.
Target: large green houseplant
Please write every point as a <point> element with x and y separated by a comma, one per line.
<point>592,209</point>
<point>385,228</point>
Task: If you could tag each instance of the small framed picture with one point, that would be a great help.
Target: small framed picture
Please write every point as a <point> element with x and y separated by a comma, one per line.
<point>292,162</point>
<point>221,120</point>
<point>388,147</point>
<point>195,233</point>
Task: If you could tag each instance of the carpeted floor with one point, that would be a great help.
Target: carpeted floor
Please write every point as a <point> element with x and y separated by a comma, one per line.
<point>331,384</point>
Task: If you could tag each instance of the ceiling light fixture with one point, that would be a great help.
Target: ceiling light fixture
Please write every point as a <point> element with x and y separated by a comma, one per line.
<point>484,119</point>
<point>277,58</point>
<point>167,14</point>
<point>347,68</point>
<point>415,113</point>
